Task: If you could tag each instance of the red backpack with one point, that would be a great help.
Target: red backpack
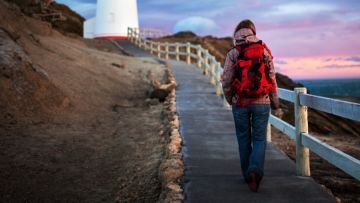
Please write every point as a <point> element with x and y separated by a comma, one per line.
<point>251,73</point>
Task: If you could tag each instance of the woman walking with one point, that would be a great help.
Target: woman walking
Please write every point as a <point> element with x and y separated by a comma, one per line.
<point>250,87</point>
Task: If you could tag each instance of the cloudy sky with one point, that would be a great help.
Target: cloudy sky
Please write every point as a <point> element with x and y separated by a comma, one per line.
<point>309,39</point>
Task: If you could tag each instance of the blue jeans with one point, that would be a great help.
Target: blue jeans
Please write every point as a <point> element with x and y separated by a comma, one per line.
<point>251,125</point>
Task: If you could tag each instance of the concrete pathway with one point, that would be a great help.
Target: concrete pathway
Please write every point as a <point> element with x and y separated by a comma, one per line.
<point>212,166</point>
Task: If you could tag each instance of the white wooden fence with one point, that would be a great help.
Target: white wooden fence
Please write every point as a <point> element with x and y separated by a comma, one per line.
<point>299,133</point>
<point>181,51</point>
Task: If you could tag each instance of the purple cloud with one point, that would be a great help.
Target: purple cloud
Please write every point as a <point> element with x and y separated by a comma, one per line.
<point>290,28</point>
<point>353,58</point>
<point>280,62</point>
<point>336,66</point>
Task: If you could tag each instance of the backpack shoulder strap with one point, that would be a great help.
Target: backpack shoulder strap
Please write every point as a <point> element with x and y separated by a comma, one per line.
<point>267,50</point>
<point>234,47</point>
<point>240,49</point>
<point>237,47</point>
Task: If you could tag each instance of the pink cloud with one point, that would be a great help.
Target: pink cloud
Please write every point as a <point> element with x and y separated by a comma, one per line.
<point>319,67</point>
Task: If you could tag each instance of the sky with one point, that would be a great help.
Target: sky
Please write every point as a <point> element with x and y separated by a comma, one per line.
<point>309,39</point>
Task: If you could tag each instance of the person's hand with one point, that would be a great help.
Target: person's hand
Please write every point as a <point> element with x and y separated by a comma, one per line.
<point>278,112</point>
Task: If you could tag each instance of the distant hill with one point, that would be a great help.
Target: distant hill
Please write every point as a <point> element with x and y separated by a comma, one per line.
<point>319,122</point>
<point>218,47</point>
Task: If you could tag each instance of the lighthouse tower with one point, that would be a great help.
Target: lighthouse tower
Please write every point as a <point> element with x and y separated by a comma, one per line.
<point>113,17</point>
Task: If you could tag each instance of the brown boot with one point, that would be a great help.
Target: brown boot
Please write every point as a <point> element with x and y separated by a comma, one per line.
<point>253,182</point>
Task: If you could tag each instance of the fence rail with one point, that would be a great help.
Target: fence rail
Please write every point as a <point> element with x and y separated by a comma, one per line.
<point>304,141</point>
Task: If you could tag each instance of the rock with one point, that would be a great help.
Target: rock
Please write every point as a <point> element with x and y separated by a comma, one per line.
<point>66,102</point>
<point>152,102</point>
<point>161,91</point>
<point>118,65</point>
<point>34,38</point>
<point>159,94</point>
<point>170,170</point>
<point>173,108</point>
<point>122,104</point>
<point>172,194</point>
<point>41,71</point>
<point>174,187</point>
<point>174,133</point>
<point>174,148</point>
<point>175,123</point>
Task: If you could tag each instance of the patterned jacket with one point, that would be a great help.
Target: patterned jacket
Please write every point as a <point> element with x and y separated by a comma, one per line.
<point>227,78</point>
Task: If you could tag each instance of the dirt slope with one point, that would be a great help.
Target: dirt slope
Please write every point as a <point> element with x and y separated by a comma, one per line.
<point>75,122</point>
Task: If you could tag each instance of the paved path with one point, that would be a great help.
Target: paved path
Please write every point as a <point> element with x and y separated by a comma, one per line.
<point>212,168</point>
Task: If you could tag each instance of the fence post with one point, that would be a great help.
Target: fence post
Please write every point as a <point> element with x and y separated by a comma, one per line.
<point>138,37</point>
<point>199,60</point>
<point>188,52</point>
<point>158,50</point>
<point>166,50</point>
<point>151,47</point>
<point>131,35</point>
<point>217,79</point>
<point>268,132</point>
<point>206,62</point>
<point>135,36</point>
<point>226,104</point>
<point>143,42</point>
<point>141,34</point>
<point>140,40</point>
<point>212,73</point>
<point>147,43</point>
<point>128,33</point>
<point>301,126</point>
<point>177,51</point>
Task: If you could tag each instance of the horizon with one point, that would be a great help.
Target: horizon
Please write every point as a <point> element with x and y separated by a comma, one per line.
<point>308,39</point>
<point>302,79</point>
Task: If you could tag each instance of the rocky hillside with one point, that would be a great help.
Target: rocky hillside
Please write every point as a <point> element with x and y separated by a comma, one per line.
<point>70,111</point>
<point>25,88</point>
<point>59,16</point>
<point>319,122</point>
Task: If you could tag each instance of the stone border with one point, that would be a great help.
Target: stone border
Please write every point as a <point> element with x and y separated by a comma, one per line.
<point>171,168</point>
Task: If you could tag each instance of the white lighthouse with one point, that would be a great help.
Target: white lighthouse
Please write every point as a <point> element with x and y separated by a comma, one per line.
<point>113,17</point>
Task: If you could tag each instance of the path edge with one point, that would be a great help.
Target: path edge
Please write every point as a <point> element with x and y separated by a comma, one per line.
<point>171,169</point>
